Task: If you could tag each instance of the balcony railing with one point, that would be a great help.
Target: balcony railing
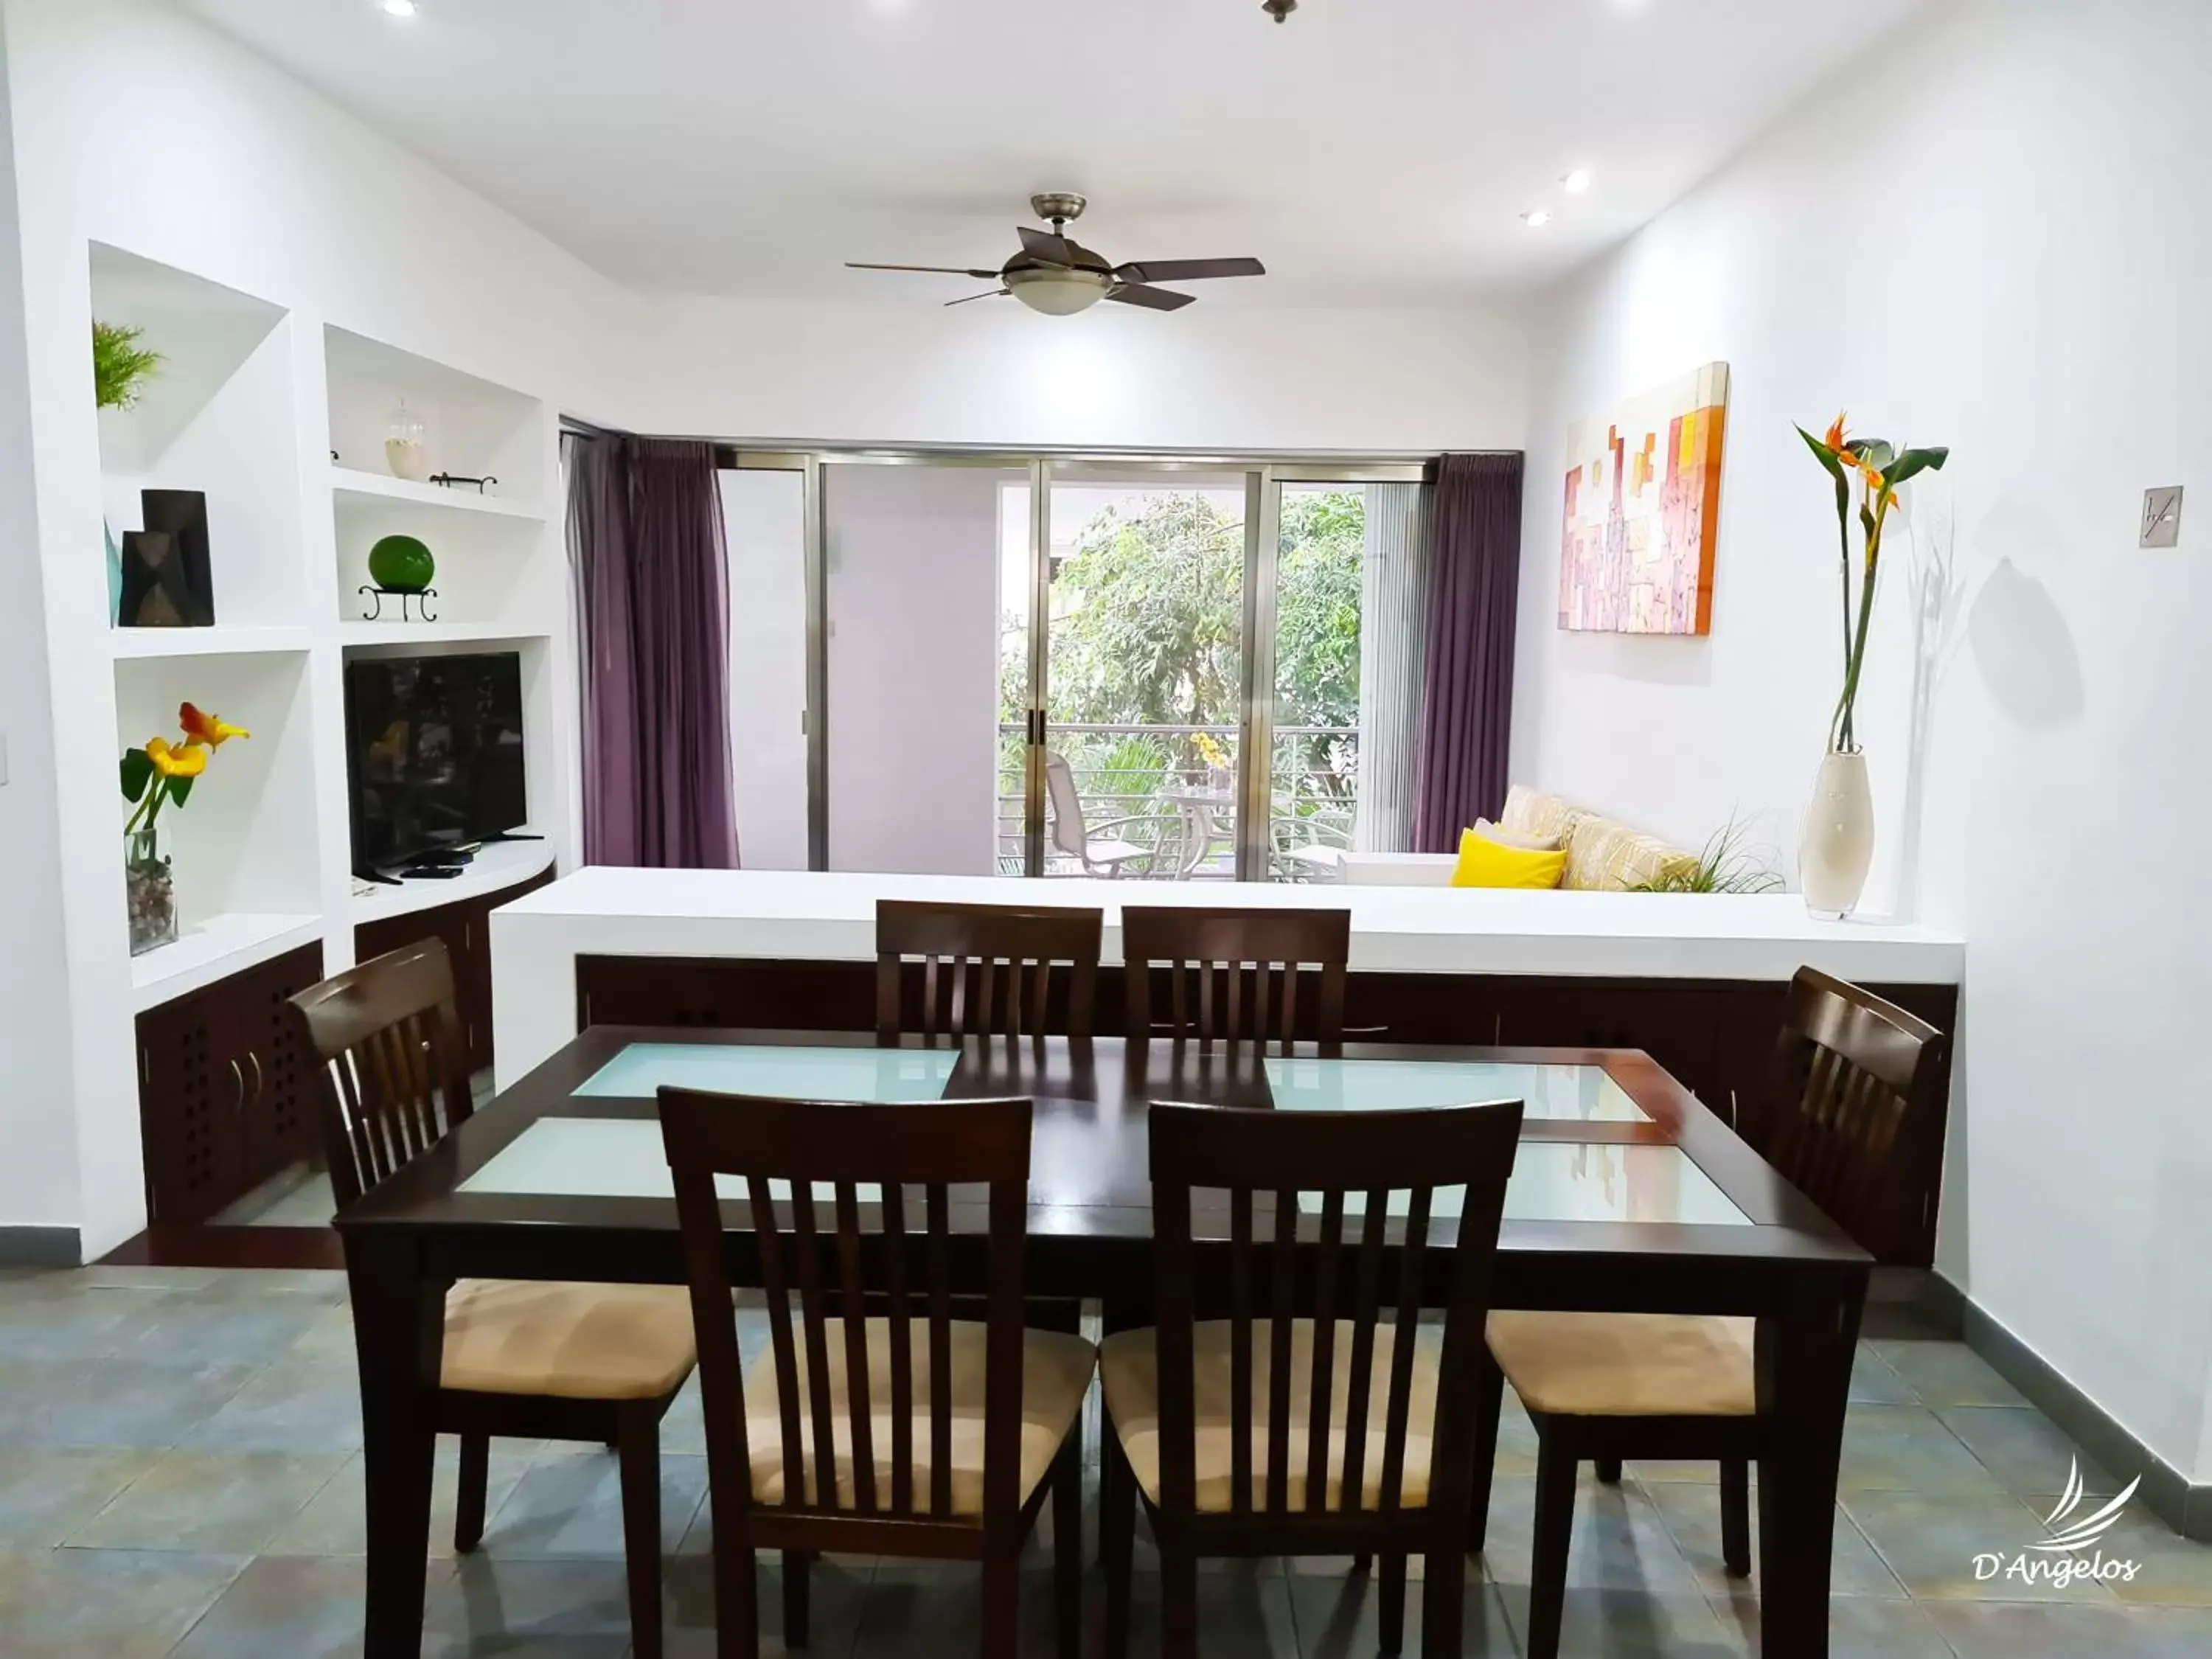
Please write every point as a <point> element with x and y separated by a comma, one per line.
<point>1172,790</point>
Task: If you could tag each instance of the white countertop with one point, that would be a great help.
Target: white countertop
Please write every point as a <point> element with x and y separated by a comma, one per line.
<point>830,917</point>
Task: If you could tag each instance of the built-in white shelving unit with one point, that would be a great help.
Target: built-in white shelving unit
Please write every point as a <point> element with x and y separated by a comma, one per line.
<point>251,401</point>
<point>368,486</point>
<point>501,864</point>
<point>139,643</point>
<point>404,635</point>
<point>215,949</point>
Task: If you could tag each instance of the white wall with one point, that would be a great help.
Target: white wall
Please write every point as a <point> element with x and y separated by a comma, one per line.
<point>37,1188</point>
<point>1992,234</point>
<point>913,713</point>
<point>1219,377</point>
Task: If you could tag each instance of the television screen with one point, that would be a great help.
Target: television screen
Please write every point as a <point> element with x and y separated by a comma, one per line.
<point>435,754</point>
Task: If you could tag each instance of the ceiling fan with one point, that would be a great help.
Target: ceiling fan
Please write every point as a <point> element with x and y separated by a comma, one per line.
<point>1060,278</point>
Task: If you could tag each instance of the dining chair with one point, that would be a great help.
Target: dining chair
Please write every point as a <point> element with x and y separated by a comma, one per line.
<point>1854,1077</point>
<point>1247,965</point>
<point>986,969</point>
<point>1288,1428</point>
<point>907,1433</point>
<point>532,1359</point>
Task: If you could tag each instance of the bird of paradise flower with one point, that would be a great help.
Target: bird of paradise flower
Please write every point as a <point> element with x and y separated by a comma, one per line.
<point>160,772</point>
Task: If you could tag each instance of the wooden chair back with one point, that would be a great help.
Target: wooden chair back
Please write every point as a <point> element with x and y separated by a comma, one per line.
<point>986,969</point>
<point>394,1065</point>
<point>1852,1081</point>
<point>932,1146</point>
<point>1233,976</point>
<point>1369,1157</point>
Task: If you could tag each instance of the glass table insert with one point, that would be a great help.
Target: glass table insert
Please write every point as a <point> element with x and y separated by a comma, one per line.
<point>642,1069</point>
<point>1552,1092</point>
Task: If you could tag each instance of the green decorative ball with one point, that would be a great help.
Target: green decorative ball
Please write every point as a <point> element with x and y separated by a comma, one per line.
<point>401,563</point>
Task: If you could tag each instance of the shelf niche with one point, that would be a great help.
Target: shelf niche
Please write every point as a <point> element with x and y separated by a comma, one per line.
<point>244,848</point>
<point>473,428</point>
<point>547,726</point>
<point>217,416</point>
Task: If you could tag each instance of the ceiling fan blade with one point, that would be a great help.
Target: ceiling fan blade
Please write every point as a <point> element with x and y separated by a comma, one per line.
<point>988,293</point>
<point>941,270</point>
<point>1045,247</point>
<point>1186,271</point>
<point>1152,299</point>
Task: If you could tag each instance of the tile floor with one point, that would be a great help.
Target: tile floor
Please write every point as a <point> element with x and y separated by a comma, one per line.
<point>179,1474</point>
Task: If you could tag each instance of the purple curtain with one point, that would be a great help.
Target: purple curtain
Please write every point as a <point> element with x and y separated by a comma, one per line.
<point>1467,703</point>
<point>646,544</point>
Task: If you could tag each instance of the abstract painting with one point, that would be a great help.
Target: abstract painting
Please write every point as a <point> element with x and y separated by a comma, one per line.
<point>1642,510</point>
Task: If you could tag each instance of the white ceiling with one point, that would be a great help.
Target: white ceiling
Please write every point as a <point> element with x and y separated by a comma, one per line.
<point>1369,151</point>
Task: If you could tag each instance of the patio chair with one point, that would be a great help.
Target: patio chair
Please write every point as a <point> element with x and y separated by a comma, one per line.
<point>1107,850</point>
<point>1308,847</point>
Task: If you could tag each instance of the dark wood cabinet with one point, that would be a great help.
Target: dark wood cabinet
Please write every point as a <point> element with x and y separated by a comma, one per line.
<point>224,1097</point>
<point>465,926</point>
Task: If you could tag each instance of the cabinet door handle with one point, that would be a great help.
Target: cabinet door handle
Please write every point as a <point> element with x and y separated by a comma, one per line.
<point>238,1084</point>
<point>260,1082</point>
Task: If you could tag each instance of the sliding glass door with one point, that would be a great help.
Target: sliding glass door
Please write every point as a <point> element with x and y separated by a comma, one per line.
<point>1141,639</point>
<point>1350,618</point>
<point>1146,668</point>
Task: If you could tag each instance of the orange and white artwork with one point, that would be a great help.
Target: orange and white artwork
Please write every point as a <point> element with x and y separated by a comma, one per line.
<point>1642,510</point>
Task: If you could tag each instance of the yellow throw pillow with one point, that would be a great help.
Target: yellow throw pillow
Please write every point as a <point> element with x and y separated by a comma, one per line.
<point>1484,863</point>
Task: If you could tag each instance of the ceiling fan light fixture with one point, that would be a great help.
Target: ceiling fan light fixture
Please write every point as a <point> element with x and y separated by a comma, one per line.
<point>1058,293</point>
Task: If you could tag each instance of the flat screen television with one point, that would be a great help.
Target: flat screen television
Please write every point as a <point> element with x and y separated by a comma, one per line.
<point>433,754</point>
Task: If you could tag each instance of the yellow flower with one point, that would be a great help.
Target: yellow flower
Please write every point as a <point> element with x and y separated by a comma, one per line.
<point>1837,437</point>
<point>204,730</point>
<point>186,762</point>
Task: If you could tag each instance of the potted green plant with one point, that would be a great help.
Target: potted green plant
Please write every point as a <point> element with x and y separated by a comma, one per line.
<point>1838,847</point>
<point>120,368</point>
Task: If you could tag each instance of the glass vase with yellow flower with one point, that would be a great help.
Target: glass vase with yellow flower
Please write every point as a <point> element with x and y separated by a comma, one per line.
<point>159,774</point>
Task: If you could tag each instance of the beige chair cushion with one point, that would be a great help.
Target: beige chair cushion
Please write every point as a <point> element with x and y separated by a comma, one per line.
<point>1129,1370</point>
<point>1056,1371</point>
<point>571,1341</point>
<point>1606,1364</point>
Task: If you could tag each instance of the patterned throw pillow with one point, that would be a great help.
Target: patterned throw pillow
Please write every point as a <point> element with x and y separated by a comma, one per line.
<point>1504,837</point>
<point>1531,812</point>
<point>1603,856</point>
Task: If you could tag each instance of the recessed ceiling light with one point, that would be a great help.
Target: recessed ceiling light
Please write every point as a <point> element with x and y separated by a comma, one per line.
<point>1536,218</point>
<point>399,8</point>
<point>1577,181</point>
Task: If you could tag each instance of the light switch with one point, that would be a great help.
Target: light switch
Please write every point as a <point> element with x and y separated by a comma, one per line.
<point>2161,518</point>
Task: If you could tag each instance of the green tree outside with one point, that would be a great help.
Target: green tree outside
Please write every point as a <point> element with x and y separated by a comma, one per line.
<point>1149,612</point>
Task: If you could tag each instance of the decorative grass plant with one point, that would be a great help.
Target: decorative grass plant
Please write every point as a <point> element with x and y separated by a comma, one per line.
<point>121,366</point>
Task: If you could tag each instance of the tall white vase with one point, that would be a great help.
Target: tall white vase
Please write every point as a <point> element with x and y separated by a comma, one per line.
<point>1838,847</point>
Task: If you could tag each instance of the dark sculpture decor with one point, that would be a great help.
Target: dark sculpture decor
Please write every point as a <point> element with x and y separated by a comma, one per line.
<point>167,582</point>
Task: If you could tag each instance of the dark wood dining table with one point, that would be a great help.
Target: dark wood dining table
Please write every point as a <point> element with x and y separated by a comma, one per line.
<point>1628,1194</point>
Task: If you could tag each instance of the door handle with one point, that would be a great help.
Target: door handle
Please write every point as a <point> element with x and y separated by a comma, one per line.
<point>260,1083</point>
<point>238,1087</point>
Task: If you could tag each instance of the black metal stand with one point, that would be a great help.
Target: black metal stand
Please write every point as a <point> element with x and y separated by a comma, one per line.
<point>407,596</point>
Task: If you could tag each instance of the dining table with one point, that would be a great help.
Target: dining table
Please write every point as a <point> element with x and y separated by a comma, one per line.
<point>1627,1194</point>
